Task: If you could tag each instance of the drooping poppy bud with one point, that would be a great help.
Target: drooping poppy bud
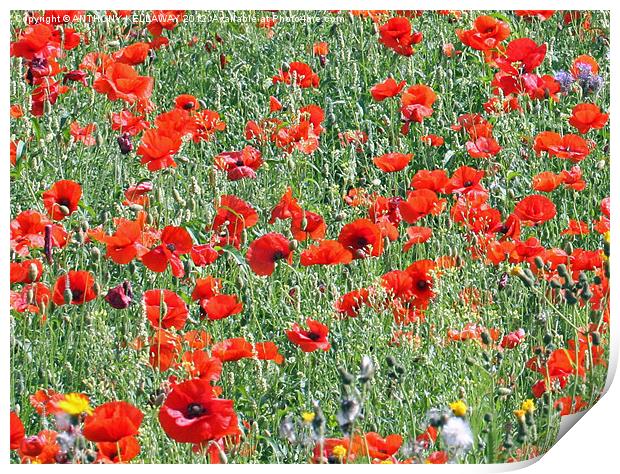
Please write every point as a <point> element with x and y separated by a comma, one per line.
<point>120,296</point>
<point>124,143</point>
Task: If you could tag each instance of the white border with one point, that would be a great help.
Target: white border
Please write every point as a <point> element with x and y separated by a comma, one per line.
<point>591,445</point>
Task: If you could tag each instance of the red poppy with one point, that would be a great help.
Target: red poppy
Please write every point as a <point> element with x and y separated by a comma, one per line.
<point>125,244</point>
<point>36,40</point>
<point>486,34</point>
<point>417,103</point>
<point>420,203</point>
<point>239,164</point>
<point>576,228</point>
<point>327,252</point>
<point>535,209</point>
<point>175,241</point>
<point>586,117</point>
<point>435,180</point>
<point>307,225</point>
<point>286,208</point>
<point>573,178</point>
<point>483,147</point>
<point>221,306</point>
<point>230,350</point>
<point>133,54</point>
<point>203,255</point>
<point>432,140</point>
<point>165,309</point>
<point>126,122</point>
<point>17,431</point>
<point>274,104</point>
<point>586,60</point>
<point>386,89</point>
<point>417,235</point>
<point>303,74</point>
<point>186,102</point>
<point>39,449</point>
<point>522,55</point>
<point>27,271</point>
<point>422,281</point>
<point>571,147</point>
<point>198,364</point>
<point>376,447</point>
<point>80,285</point>
<point>363,238</point>
<point>192,414</point>
<point>164,348</point>
<point>465,180</point>
<point>396,34</point>
<point>391,162</point>
<point>546,181</point>
<point>351,303</point>
<point>62,199</point>
<point>233,215</point>
<point>121,81</point>
<point>121,451</point>
<point>265,251</point>
<point>312,339</point>
<point>157,148</point>
<point>112,422</point>
<point>83,134</point>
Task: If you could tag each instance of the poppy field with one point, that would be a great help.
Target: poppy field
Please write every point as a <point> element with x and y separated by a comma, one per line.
<point>306,236</point>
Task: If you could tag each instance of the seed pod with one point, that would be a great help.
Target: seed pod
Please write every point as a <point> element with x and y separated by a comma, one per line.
<point>596,338</point>
<point>67,295</point>
<point>503,391</point>
<point>539,263</point>
<point>547,338</point>
<point>570,297</point>
<point>562,271</point>
<point>33,272</point>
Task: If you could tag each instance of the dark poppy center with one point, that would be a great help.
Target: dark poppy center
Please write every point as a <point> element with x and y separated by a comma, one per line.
<point>240,163</point>
<point>278,255</point>
<point>188,105</point>
<point>314,336</point>
<point>77,295</point>
<point>422,284</point>
<point>361,242</point>
<point>503,229</point>
<point>194,410</point>
<point>467,184</point>
<point>171,247</point>
<point>64,202</point>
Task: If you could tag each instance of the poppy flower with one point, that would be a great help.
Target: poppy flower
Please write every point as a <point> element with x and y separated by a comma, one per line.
<point>157,149</point>
<point>28,230</point>
<point>546,181</point>
<point>35,41</point>
<point>83,134</point>
<point>522,55</point>
<point>397,34</point>
<point>435,180</point>
<point>112,422</point>
<point>165,309</point>
<point>576,228</point>
<point>391,162</point>
<point>198,364</point>
<point>363,238</point>
<point>571,147</point>
<point>41,448</point>
<point>417,103</point>
<point>486,34</point>
<point>175,241</point>
<point>573,178</point>
<point>133,54</point>
<point>123,450</point>
<point>203,255</point>
<point>535,209</point>
<point>312,339</point>
<point>286,207</point>
<point>422,281</point>
<point>386,89</point>
<point>126,122</point>
<point>239,164</point>
<point>420,203</point>
<point>221,306</point>
<point>417,235</point>
<point>265,251</point>
<point>62,199</point>
<point>320,49</point>
<point>27,271</point>
<point>18,432</point>
<point>302,73</point>
<point>307,225</point>
<point>122,82</point>
<point>376,447</point>
<point>513,339</point>
<point>326,252</point>
<point>465,180</point>
<point>163,349</point>
<point>274,104</point>
<point>586,117</point>
<point>351,303</point>
<point>120,297</point>
<point>432,140</point>
<point>81,285</point>
<point>483,147</point>
<point>237,348</point>
<point>232,216</point>
<point>191,413</point>
<point>125,244</point>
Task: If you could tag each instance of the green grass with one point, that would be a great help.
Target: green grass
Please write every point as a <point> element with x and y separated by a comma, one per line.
<point>83,348</point>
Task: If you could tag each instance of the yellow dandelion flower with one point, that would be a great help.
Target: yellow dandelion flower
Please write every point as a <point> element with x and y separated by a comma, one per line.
<point>517,270</point>
<point>307,416</point>
<point>75,404</point>
<point>339,451</point>
<point>458,408</point>
<point>528,406</point>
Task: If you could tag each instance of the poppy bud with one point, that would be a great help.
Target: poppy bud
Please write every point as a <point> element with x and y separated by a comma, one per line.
<point>31,446</point>
<point>367,369</point>
<point>98,139</point>
<point>340,217</point>
<point>568,248</point>
<point>64,210</point>
<point>487,417</point>
<point>562,271</point>
<point>596,338</point>
<point>33,272</point>
<point>47,246</point>
<point>120,296</point>
<point>570,297</point>
<point>539,263</point>
<point>292,245</point>
<point>322,60</point>
<point>95,252</point>
<point>223,60</point>
<point>390,361</point>
<point>135,208</point>
<point>555,284</point>
<point>485,337</point>
<point>503,391</point>
<point>124,143</point>
<point>67,295</point>
<point>30,297</point>
<point>547,338</point>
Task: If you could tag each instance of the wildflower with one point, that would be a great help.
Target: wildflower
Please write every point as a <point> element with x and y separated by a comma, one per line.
<point>307,416</point>
<point>459,408</point>
<point>457,436</point>
<point>75,404</point>
<point>528,405</point>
